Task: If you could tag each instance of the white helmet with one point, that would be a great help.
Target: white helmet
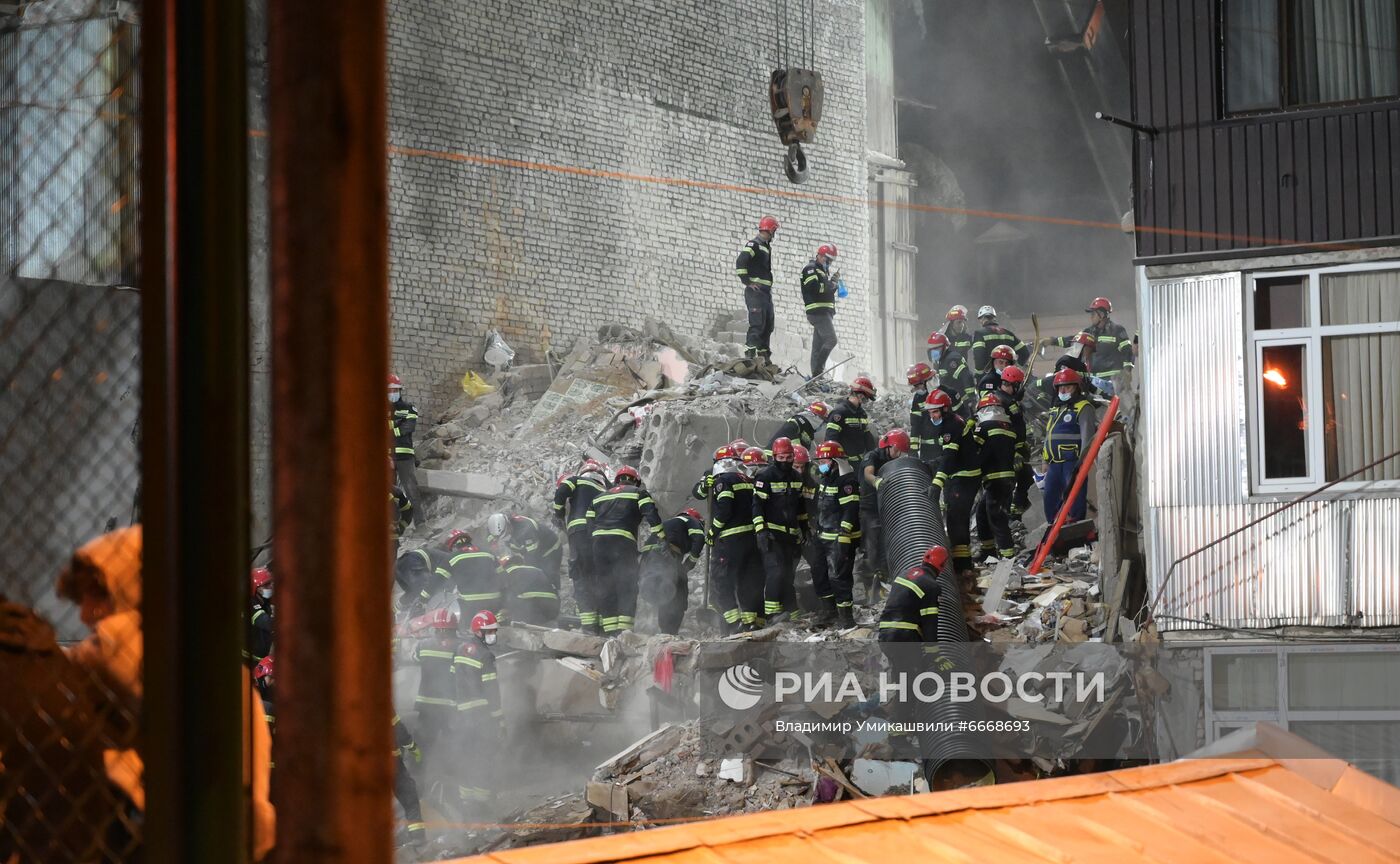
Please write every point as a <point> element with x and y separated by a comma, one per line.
<point>987,311</point>
<point>495,525</point>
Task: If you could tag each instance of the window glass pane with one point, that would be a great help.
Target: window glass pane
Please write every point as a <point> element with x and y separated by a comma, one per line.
<point>1371,297</point>
<point>1361,395</point>
<point>1280,303</point>
<point>1251,55</point>
<point>1341,50</point>
<point>1244,682</point>
<point>1284,414</point>
<point>1344,682</point>
<point>1372,746</point>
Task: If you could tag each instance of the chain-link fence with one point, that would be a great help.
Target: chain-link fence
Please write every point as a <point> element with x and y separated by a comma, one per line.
<point>70,629</point>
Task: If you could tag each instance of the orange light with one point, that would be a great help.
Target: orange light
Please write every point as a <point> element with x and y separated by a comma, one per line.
<point>1275,377</point>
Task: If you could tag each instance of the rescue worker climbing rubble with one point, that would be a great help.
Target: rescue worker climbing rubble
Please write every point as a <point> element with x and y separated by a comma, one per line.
<point>615,524</point>
<point>572,498</point>
<point>777,517</point>
<point>838,527</point>
<point>819,302</point>
<point>802,427</point>
<point>754,267</point>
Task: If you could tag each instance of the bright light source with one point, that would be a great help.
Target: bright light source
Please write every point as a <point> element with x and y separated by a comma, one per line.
<point>1275,377</point>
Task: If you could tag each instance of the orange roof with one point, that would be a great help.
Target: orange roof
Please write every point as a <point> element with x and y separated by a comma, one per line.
<point>1219,810</point>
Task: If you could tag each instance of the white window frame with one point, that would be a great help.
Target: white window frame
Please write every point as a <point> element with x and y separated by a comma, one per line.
<point>1311,337</point>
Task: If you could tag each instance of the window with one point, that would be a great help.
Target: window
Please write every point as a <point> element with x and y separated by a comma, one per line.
<point>1324,378</point>
<point>1293,53</point>
<point>1343,698</point>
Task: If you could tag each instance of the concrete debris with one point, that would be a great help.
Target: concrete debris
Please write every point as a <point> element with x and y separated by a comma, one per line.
<point>736,770</point>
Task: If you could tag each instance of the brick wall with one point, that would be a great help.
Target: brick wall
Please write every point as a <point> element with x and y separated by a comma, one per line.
<point>658,90</point>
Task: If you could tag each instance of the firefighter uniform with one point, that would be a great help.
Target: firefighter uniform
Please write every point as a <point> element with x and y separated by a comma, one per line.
<point>754,267</point>
<point>1020,500</point>
<point>416,573</point>
<point>960,476</point>
<point>401,511</point>
<point>911,609</point>
<point>961,342</point>
<point>736,571</point>
<point>537,544</point>
<point>472,575</point>
<point>957,380</point>
<point>437,691</point>
<point>615,521</point>
<point>403,420</point>
<point>924,442</point>
<point>819,302</point>
<point>479,719</point>
<point>998,460</point>
<point>667,568</point>
<point>849,426</point>
<point>530,596</point>
<point>259,629</point>
<point>800,428</point>
<point>572,498</point>
<point>871,535</point>
<point>986,339</point>
<point>1113,348</point>
<point>1069,428</point>
<point>777,517</point>
<point>838,527</point>
<point>405,790</point>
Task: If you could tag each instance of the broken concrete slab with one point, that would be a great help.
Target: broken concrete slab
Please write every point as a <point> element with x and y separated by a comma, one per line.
<point>460,485</point>
<point>738,769</point>
<point>641,752</point>
<point>528,637</point>
<point>609,798</point>
<point>996,589</point>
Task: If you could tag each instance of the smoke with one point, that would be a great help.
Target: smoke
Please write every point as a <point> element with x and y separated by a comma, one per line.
<point>987,122</point>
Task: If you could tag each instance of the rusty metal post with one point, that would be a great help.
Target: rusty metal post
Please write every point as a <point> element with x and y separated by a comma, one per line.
<point>329,259</point>
<point>194,414</point>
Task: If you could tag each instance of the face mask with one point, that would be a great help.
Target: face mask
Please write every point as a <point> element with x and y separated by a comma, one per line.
<point>265,593</point>
<point>935,354</point>
<point>393,395</point>
<point>1064,397</point>
<point>489,638</point>
<point>937,421</point>
<point>824,468</point>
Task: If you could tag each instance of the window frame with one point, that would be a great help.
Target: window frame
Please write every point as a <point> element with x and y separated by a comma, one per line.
<point>1312,337</point>
<point>1286,98</point>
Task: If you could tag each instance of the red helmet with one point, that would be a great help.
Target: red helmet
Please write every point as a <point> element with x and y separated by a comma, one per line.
<point>938,399</point>
<point>261,577</point>
<point>629,473</point>
<point>1013,375</point>
<point>1004,352</point>
<point>592,465</point>
<point>782,449</point>
<point>988,401</point>
<point>394,382</point>
<point>754,456</point>
<point>693,514</point>
<point>739,445</point>
<point>897,440</point>
<point>826,249</point>
<point>957,313</point>
<point>938,340</point>
<point>1067,376</point>
<point>725,451</point>
<point>263,669</point>
<point>768,223</point>
<point>1100,304</point>
<point>863,385</point>
<point>457,539</point>
<point>483,621</point>
<point>443,619</point>
<point>918,373</point>
<point>831,450</point>
<point>1085,338</point>
<point>800,456</point>
<point>819,409</point>
<point>936,557</point>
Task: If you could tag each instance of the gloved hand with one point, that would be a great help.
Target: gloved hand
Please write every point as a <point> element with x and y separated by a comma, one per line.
<point>416,752</point>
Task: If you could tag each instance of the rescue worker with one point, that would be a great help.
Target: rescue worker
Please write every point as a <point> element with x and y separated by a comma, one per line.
<point>802,427</point>
<point>955,328</point>
<point>405,790</point>
<point>736,568</point>
<point>520,535</point>
<point>807,519</point>
<point>1069,429</point>
<point>950,365</point>
<point>668,564</point>
<point>1002,357</point>
<point>1012,380</point>
<point>893,444</point>
<point>615,523</point>
<point>849,425</point>
<point>530,596</point>
<point>959,474</point>
<point>471,575</point>
<point>480,724</point>
<point>1042,390</point>
<point>401,512</point>
<point>838,527</point>
<point>403,420</point>
<point>704,488</point>
<point>436,701</point>
<point>919,376</point>
<point>998,463</point>
<point>777,518</point>
<point>819,302</point>
<point>416,571</point>
<point>991,334</point>
<point>572,498</point>
<point>260,615</point>
<point>1113,349</point>
<point>754,267</point>
<point>911,609</point>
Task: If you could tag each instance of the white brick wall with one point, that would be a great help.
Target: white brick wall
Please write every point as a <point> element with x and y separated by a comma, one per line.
<point>653,89</point>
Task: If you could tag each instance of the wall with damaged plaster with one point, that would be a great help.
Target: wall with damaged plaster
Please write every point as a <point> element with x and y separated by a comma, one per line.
<point>646,90</point>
